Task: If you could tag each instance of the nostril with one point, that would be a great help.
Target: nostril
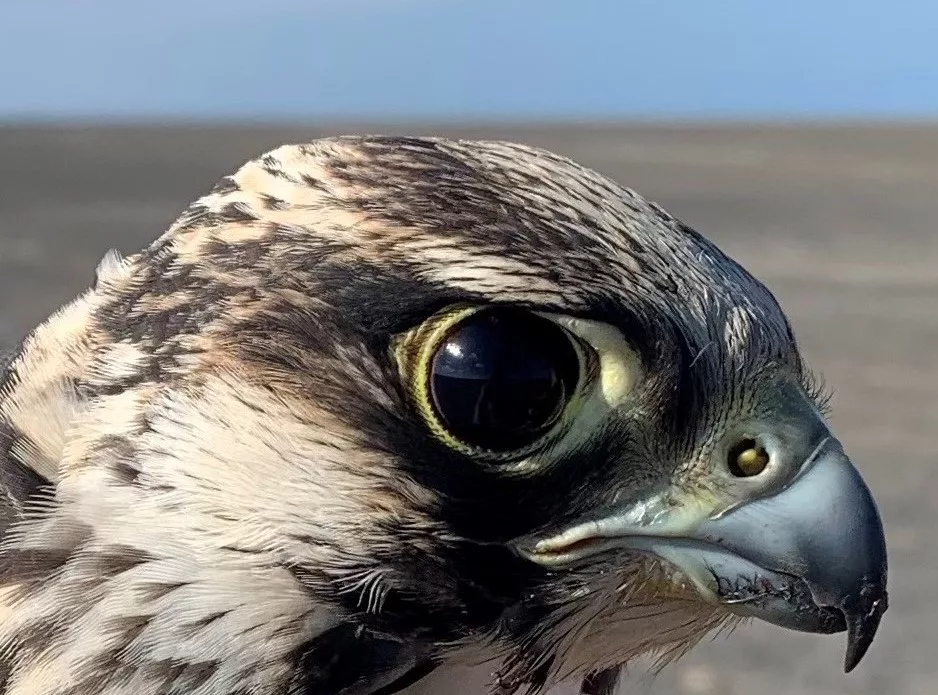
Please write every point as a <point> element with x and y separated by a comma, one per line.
<point>747,458</point>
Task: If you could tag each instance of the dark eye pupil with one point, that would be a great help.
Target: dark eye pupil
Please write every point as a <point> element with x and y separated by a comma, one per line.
<point>502,377</point>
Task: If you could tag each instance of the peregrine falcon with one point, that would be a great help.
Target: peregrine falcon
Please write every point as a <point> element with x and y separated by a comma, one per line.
<point>376,408</point>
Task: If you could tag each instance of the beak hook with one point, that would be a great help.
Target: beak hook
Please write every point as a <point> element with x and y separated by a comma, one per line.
<point>862,623</point>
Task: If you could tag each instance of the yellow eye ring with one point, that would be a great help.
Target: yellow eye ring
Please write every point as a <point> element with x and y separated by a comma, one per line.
<point>747,458</point>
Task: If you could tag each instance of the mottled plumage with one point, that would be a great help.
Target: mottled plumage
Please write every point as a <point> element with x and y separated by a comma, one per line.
<point>215,480</point>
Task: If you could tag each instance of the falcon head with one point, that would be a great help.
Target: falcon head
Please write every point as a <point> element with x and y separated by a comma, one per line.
<point>375,406</point>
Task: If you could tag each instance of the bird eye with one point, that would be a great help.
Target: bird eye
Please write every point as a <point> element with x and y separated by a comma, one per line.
<point>747,458</point>
<point>500,378</point>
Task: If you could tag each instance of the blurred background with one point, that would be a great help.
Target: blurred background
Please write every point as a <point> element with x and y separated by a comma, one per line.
<point>796,135</point>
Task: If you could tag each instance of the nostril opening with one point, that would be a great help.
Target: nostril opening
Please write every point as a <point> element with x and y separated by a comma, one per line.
<point>747,458</point>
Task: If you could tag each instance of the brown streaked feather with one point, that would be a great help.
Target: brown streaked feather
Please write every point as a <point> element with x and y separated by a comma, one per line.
<point>237,475</point>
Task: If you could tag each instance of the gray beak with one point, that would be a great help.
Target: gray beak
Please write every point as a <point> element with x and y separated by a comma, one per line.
<point>810,557</point>
<point>823,531</point>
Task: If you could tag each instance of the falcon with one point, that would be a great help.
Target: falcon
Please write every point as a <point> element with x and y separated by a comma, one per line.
<point>378,409</point>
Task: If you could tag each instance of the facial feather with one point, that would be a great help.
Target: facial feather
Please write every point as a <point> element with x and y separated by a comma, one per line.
<point>238,470</point>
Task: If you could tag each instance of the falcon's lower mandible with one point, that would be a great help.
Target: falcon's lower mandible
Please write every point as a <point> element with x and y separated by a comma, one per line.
<point>376,410</point>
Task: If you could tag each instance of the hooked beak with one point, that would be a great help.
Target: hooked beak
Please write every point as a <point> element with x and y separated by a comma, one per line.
<point>811,557</point>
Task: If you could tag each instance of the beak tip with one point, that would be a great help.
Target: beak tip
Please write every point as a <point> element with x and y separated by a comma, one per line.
<point>861,629</point>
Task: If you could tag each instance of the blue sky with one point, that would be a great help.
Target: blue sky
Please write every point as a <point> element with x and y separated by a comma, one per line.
<point>468,59</point>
